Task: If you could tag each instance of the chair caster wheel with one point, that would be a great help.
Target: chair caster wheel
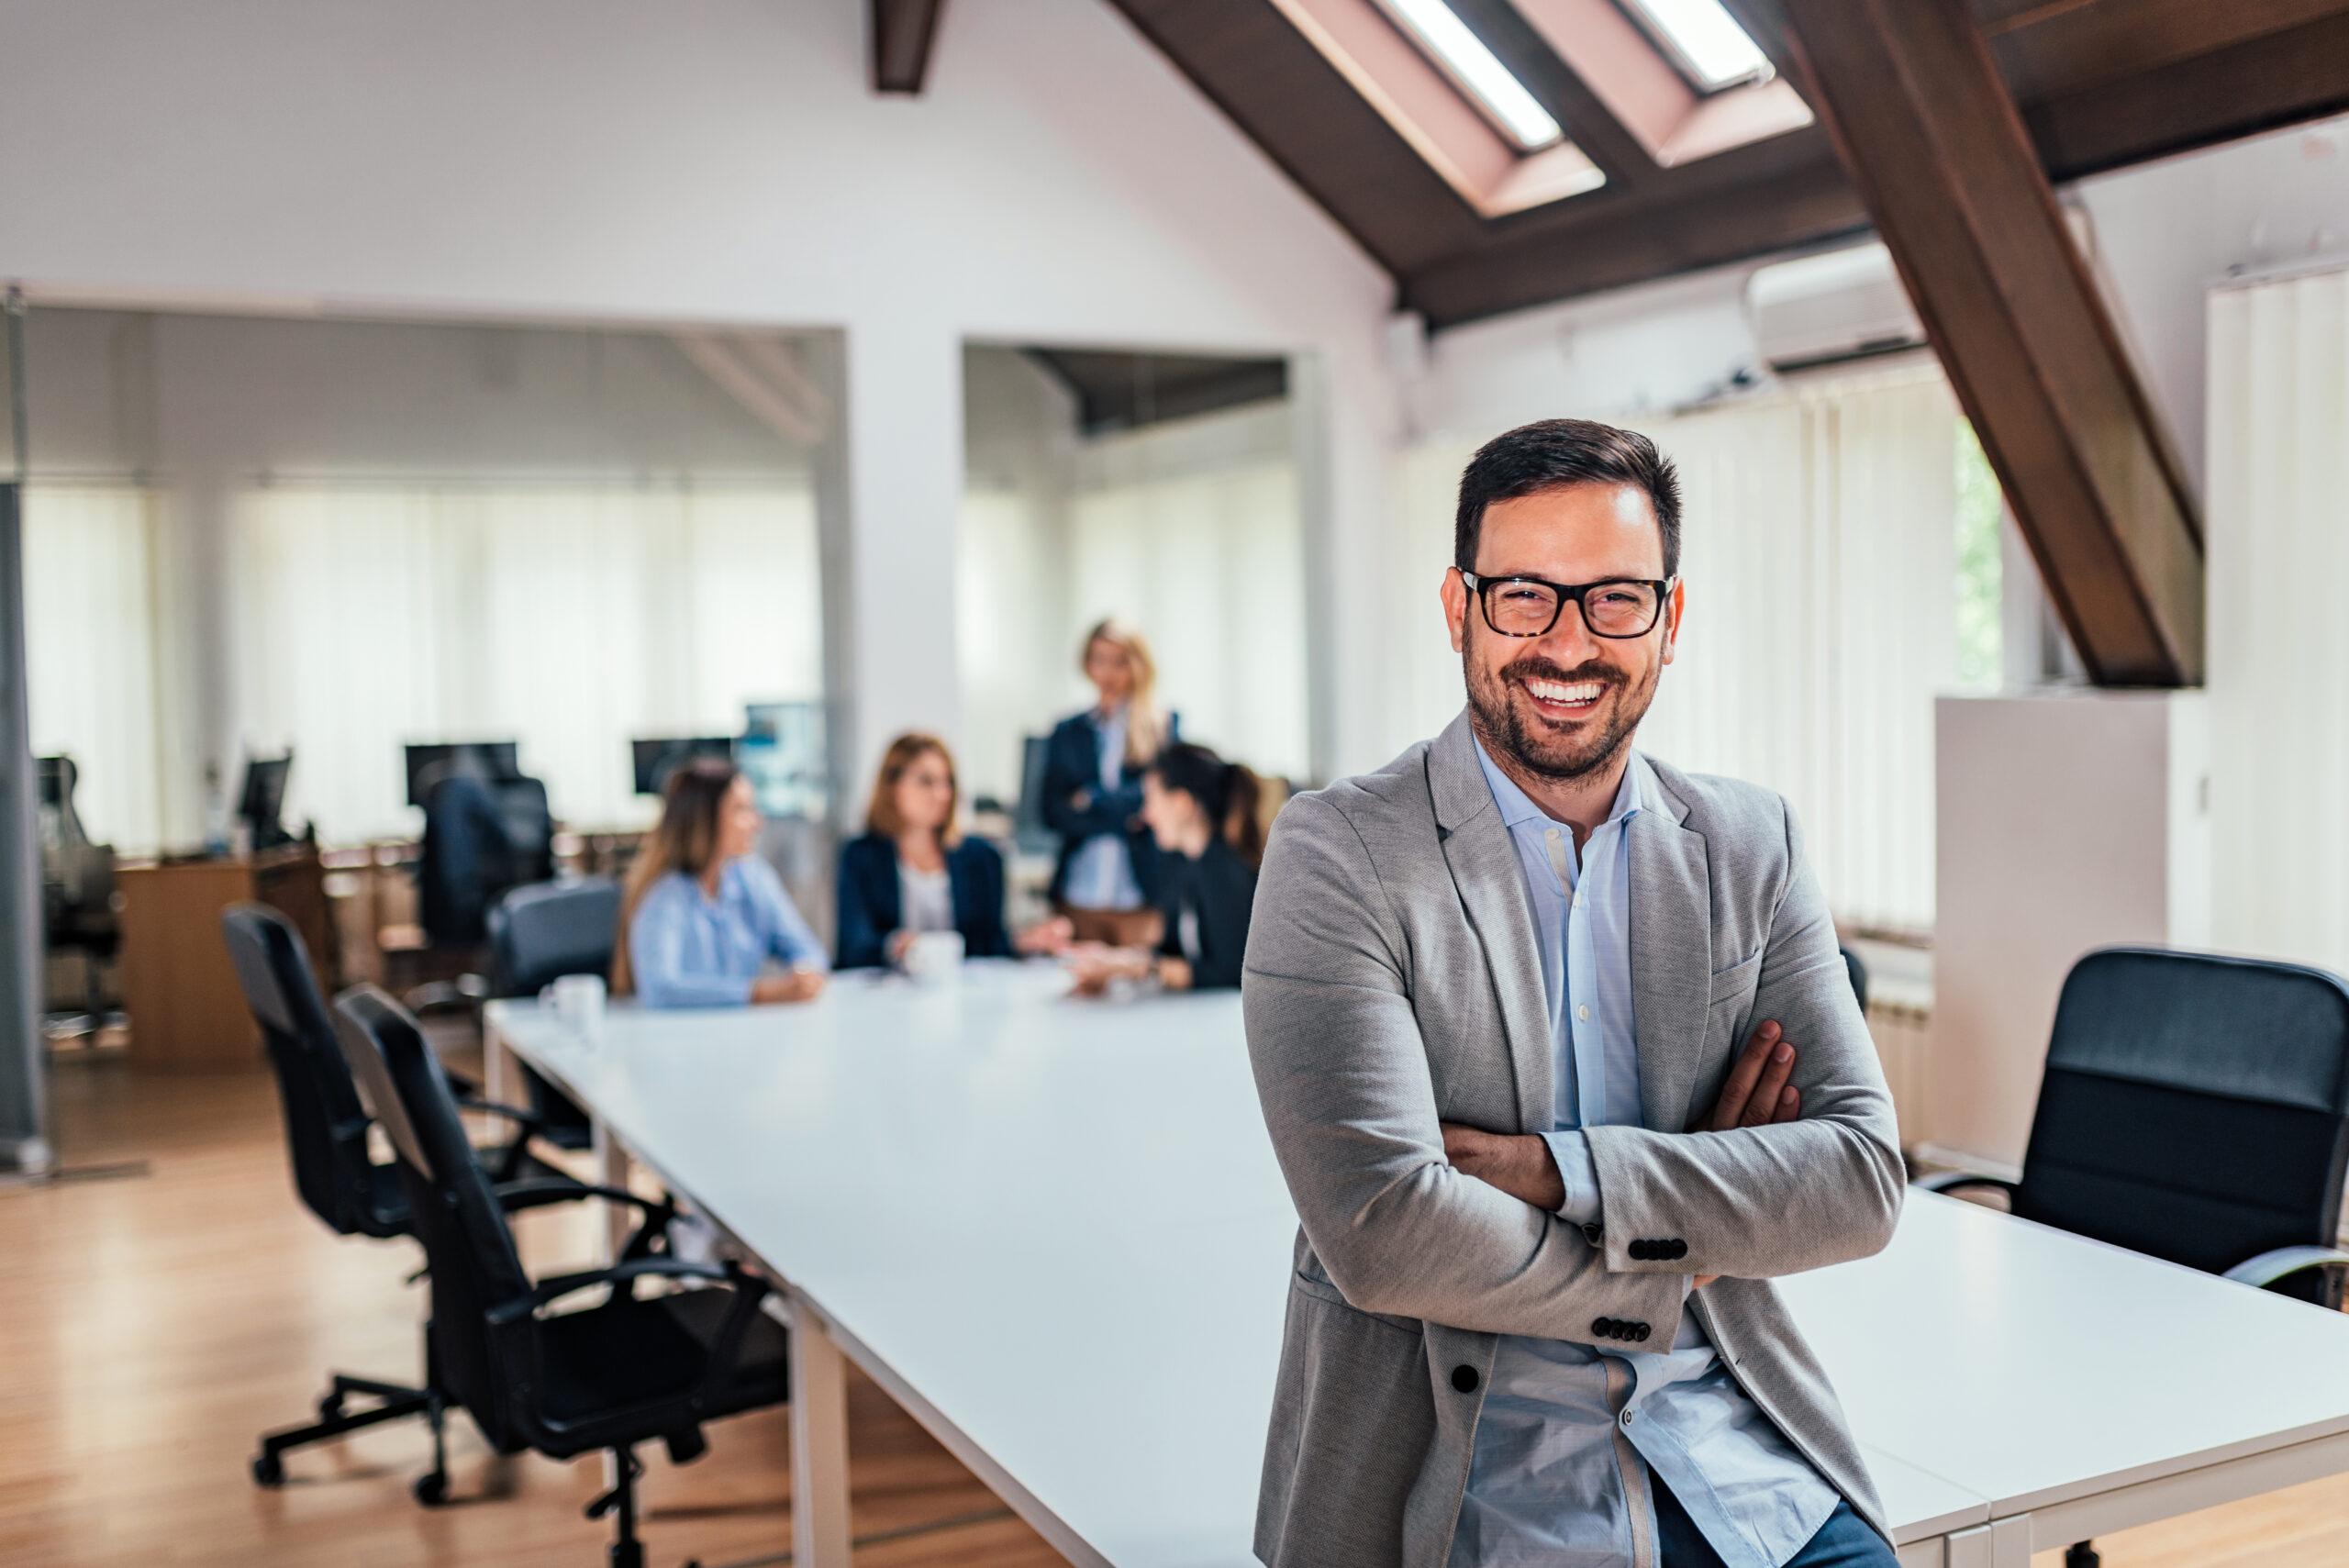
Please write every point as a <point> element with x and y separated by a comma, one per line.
<point>268,1470</point>
<point>2081,1554</point>
<point>432,1489</point>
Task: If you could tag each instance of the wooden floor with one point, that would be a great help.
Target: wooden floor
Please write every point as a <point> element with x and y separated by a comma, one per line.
<point>172,1299</point>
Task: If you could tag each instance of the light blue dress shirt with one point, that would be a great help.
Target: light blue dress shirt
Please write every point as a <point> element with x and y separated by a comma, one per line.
<point>1101,873</point>
<point>1569,1435</point>
<point>688,950</point>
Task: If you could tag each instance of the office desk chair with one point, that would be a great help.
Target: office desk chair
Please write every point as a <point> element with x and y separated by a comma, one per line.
<point>536,935</point>
<point>608,1377</point>
<point>326,1136</point>
<point>2196,1108</point>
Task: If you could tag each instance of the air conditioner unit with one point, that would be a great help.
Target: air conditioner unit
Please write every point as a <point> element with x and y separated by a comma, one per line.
<point>1821,310</point>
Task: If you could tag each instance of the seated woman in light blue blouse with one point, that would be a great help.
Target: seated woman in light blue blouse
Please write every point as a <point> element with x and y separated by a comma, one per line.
<point>705,922</point>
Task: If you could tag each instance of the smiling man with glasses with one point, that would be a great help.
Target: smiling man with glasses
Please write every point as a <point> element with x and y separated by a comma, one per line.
<point>1561,1066</point>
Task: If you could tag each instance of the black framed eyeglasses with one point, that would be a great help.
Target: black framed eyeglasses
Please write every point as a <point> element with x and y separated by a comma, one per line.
<point>1528,606</point>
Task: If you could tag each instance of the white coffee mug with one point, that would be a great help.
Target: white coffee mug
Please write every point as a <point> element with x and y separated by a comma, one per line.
<point>579,1001</point>
<point>935,958</point>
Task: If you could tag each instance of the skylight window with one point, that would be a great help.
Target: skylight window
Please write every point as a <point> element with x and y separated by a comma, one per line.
<point>1704,41</point>
<point>1479,74</point>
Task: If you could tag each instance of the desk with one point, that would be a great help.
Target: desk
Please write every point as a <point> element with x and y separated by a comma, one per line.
<point>187,1013</point>
<point>1054,1231</point>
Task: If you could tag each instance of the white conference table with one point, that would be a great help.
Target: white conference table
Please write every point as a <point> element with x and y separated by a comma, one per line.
<point>1053,1231</point>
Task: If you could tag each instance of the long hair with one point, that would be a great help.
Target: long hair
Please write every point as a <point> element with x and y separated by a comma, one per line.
<point>1145,726</point>
<point>881,811</point>
<point>1227,792</point>
<point>686,839</point>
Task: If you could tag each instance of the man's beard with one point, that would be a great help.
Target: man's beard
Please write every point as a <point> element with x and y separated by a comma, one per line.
<point>1500,710</point>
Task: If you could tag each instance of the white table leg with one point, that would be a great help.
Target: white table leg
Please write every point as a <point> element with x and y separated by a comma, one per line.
<point>1931,1553</point>
<point>611,1171</point>
<point>820,1527</point>
<point>2002,1543</point>
<point>497,1068</point>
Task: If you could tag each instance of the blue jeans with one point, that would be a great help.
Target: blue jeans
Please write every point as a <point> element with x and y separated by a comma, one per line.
<point>1843,1541</point>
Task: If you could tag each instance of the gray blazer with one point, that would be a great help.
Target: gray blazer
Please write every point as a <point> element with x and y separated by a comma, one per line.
<point>1393,983</point>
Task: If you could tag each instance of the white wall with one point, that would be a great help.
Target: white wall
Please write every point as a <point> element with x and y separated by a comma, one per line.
<point>2167,232</point>
<point>2068,822</point>
<point>714,161</point>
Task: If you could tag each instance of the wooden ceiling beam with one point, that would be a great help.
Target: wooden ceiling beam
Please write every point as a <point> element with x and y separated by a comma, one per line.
<point>2258,84</point>
<point>1911,96</point>
<point>2049,49</point>
<point>904,32</point>
<point>1679,229</point>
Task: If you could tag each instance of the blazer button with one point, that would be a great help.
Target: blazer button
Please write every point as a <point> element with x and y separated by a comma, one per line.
<point>1604,1327</point>
<point>1640,1332</point>
<point>1464,1378</point>
<point>1639,1252</point>
<point>1594,1232</point>
<point>1679,1248</point>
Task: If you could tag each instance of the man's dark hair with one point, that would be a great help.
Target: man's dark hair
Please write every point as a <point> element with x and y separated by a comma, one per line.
<point>1550,454</point>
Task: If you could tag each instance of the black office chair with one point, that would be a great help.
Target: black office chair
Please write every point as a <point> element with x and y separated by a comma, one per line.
<point>2195,1109</point>
<point>1858,975</point>
<point>536,935</point>
<point>608,1377</point>
<point>325,1134</point>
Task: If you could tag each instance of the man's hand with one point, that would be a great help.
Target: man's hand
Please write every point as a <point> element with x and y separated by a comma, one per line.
<point>1519,1164</point>
<point>1756,1093</point>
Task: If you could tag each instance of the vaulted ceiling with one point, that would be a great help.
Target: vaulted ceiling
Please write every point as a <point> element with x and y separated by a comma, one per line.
<point>2099,83</point>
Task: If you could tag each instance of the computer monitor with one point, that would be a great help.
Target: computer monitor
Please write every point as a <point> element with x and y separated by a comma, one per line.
<point>428,764</point>
<point>655,759</point>
<point>263,800</point>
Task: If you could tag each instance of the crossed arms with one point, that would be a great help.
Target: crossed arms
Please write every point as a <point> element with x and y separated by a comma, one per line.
<point>1332,998</point>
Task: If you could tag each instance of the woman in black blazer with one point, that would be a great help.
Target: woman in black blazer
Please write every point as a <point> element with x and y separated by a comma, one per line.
<point>914,872</point>
<point>1107,881</point>
<point>1202,811</point>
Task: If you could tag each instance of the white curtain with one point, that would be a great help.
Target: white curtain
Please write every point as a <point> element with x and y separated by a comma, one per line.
<point>569,618</point>
<point>1190,530</point>
<point>1819,545</point>
<point>1212,567</point>
<point>2278,653</point>
<point>89,652</point>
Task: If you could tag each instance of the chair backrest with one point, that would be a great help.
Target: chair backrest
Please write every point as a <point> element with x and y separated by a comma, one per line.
<point>467,1247</point>
<point>2194,1107</point>
<point>539,933</point>
<point>326,1122</point>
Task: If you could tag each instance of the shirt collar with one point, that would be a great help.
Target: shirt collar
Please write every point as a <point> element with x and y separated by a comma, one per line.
<point>1517,806</point>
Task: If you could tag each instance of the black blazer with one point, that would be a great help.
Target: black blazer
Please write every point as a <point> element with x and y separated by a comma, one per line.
<point>1072,762</point>
<point>868,899</point>
<point>1220,892</point>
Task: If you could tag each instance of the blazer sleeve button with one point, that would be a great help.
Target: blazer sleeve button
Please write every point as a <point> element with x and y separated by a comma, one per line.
<point>1640,1332</point>
<point>1679,1248</point>
<point>1464,1378</point>
<point>1604,1327</point>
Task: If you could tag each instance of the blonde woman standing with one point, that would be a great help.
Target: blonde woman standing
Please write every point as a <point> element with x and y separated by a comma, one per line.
<point>1107,881</point>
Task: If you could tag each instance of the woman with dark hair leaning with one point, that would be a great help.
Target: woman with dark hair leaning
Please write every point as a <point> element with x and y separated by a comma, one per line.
<point>913,870</point>
<point>1108,875</point>
<point>1204,814</point>
<point>703,918</point>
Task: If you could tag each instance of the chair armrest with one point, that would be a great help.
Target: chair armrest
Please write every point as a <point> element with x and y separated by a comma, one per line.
<point>515,1196</point>
<point>561,1190</point>
<point>2268,1267</point>
<point>1951,1180</point>
<point>521,1306</point>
